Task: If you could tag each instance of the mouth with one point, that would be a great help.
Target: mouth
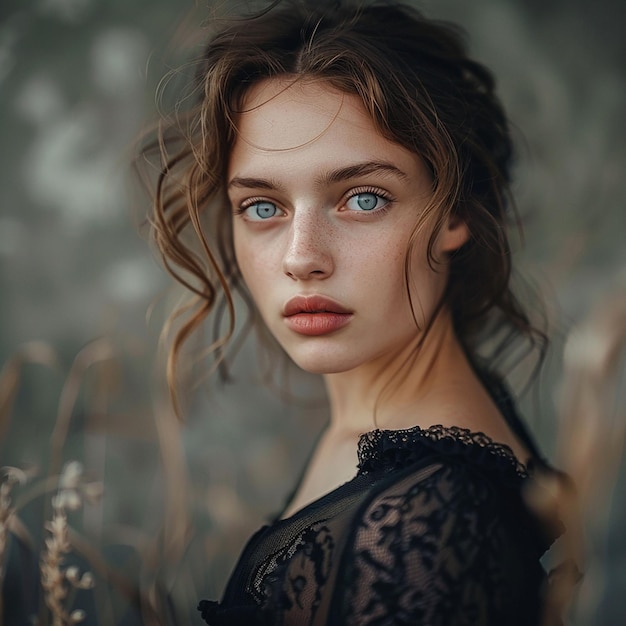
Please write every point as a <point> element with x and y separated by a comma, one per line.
<point>314,304</point>
<point>315,315</point>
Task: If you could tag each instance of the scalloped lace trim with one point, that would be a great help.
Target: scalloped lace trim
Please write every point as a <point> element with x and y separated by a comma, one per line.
<point>375,446</point>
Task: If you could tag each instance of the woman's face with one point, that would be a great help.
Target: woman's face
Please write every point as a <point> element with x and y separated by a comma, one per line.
<point>323,209</point>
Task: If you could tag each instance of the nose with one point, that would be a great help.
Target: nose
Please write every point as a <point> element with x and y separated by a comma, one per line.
<point>308,254</point>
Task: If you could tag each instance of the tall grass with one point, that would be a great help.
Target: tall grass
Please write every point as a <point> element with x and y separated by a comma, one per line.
<point>64,491</point>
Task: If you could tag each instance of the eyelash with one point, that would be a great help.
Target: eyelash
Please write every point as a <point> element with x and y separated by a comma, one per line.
<point>374,191</point>
<point>244,206</point>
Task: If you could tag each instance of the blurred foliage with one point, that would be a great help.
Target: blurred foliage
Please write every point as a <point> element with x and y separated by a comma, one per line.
<point>77,83</point>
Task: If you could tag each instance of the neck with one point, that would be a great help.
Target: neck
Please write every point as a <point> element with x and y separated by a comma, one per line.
<point>398,391</point>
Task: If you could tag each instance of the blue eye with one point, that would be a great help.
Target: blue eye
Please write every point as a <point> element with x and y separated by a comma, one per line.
<point>261,210</point>
<point>366,202</point>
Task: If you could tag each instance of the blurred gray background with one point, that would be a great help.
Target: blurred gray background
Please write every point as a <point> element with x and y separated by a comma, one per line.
<point>77,84</point>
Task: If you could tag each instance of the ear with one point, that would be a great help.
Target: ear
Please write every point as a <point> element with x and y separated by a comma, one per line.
<point>453,235</point>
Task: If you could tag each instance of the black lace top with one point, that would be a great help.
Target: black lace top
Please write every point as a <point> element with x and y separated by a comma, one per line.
<point>432,530</point>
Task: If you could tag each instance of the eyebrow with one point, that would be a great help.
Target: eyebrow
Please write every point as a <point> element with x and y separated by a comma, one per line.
<point>329,178</point>
<point>255,183</point>
<point>360,169</point>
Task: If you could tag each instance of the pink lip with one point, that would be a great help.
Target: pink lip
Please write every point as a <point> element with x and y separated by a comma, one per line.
<point>315,315</point>
<point>312,304</point>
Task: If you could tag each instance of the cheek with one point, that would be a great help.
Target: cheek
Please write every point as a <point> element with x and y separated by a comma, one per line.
<point>387,267</point>
<point>427,284</point>
<point>255,263</point>
<point>377,275</point>
<point>245,258</point>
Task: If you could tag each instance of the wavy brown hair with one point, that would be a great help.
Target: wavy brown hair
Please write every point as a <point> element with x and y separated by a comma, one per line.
<point>422,91</point>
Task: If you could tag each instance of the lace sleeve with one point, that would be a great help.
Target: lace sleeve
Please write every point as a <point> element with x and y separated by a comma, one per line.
<point>438,547</point>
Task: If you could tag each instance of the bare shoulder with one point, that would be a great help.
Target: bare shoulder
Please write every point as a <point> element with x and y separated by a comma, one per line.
<point>465,403</point>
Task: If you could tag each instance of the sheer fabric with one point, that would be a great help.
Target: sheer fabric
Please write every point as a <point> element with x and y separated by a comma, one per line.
<point>433,530</point>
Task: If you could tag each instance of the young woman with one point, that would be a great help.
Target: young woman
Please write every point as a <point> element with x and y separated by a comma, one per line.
<point>346,167</point>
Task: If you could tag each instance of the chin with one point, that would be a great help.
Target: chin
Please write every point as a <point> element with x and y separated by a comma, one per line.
<point>322,363</point>
<point>321,369</point>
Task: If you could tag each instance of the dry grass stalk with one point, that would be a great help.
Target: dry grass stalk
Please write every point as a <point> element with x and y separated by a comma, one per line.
<point>60,580</point>
<point>127,587</point>
<point>57,580</point>
<point>592,435</point>
<point>177,522</point>
<point>95,352</point>
<point>9,477</point>
<point>33,352</point>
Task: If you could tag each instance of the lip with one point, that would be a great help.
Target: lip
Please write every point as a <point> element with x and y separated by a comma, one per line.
<point>315,315</point>
<point>313,304</point>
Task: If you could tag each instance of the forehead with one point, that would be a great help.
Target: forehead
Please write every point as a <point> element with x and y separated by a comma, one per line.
<point>283,113</point>
<point>284,120</point>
